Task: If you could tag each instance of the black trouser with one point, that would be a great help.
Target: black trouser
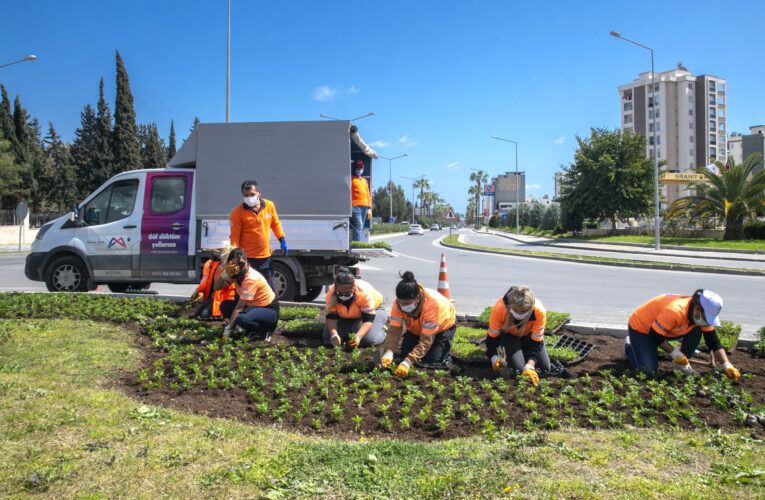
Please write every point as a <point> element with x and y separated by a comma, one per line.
<point>265,267</point>
<point>439,349</point>
<point>518,351</point>
<point>204,311</point>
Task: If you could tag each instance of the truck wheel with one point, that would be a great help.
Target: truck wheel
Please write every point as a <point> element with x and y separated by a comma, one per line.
<point>310,295</point>
<point>122,287</point>
<point>67,274</point>
<point>284,282</point>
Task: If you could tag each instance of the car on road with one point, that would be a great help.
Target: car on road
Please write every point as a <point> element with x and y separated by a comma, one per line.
<point>435,227</point>
<point>416,229</point>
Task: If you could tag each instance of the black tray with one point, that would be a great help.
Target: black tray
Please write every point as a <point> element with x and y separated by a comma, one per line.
<point>581,346</point>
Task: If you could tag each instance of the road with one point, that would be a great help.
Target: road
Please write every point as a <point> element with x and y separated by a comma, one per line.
<point>589,292</point>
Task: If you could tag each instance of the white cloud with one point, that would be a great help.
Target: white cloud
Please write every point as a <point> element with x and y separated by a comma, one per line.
<point>534,186</point>
<point>560,140</point>
<point>406,142</point>
<point>451,167</point>
<point>353,90</point>
<point>324,93</point>
<point>379,144</point>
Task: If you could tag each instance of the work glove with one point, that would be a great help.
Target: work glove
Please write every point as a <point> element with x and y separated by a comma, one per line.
<point>678,357</point>
<point>353,340</point>
<point>497,364</point>
<point>685,369</point>
<point>531,373</point>
<point>196,296</point>
<point>231,270</point>
<point>283,243</point>
<point>403,369</point>
<point>334,340</point>
<point>387,359</point>
<point>731,371</point>
<point>226,334</point>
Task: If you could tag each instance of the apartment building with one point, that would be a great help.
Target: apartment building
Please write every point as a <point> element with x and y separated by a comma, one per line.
<point>741,146</point>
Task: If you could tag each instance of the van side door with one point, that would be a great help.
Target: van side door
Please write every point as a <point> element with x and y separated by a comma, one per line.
<point>166,225</point>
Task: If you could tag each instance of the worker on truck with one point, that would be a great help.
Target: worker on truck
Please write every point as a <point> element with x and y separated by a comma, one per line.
<point>354,312</point>
<point>206,293</point>
<point>676,317</point>
<point>517,323</point>
<point>251,226</point>
<point>255,308</point>
<point>361,201</point>
<point>430,325</point>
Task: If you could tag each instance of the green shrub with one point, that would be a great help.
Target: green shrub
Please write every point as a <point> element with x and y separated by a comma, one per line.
<point>728,333</point>
<point>554,320</point>
<point>467,350</point>
<point>483,318</point>
<point>376,244</point>
<point>303,326</point>
<point>754,230</point>
<point>388,228</point>
<point>287,313</point>
<point>465,334</point>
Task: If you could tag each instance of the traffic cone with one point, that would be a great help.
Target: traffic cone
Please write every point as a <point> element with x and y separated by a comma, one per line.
<point>443,279</point>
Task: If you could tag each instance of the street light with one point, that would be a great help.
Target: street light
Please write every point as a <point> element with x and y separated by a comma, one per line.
<point>30,57</point>
<point>655,158</point>
<point>517,201</point>
<point>351,120</point>
<point>413,181</point>
<point>390,179</point>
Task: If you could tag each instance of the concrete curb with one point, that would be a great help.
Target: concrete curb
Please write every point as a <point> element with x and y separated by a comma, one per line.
<point>581,247</point>
<point>678,267</point>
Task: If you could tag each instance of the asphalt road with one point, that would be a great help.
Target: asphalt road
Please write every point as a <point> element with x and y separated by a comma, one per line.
<point>589,292</point>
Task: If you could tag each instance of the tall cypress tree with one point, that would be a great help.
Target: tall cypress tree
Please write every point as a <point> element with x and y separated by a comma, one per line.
<point>61,179</point>
<point>6,118</point>
<point>103,161</point>
<point>125,146</point>
<point>171,142</point>
<point>152,149</point>
<point>20,131</point>
<point>84,151</point>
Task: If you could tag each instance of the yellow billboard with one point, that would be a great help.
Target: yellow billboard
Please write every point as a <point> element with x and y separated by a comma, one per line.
<point>681,178</point>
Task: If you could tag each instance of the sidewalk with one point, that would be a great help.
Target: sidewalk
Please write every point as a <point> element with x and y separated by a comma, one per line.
<point>11,249</point>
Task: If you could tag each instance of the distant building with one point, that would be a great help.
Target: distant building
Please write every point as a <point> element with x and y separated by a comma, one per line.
<point>690,114</point>
<point>505,186</point>
<point>740,146</point>
<point>558,178</point>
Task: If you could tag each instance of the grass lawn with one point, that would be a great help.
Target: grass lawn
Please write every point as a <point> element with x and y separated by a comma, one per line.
<point>65,432</point>
<point>686,242</point>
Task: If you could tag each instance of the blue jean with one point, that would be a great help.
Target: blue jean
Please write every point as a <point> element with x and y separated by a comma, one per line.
<point>358,217</point>
<point>375,335</point>
<point>251,319</point>
<point>645,354</point>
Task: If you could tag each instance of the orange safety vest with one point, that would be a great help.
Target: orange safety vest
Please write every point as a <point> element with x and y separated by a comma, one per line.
<point>535,326</point>
<point>251,231</point>
<point>667,315</point>
<point>254,289</point>
<point>211,271</point>
<point>366,300</point>
<point>360,192</point>
<point>436,316</point>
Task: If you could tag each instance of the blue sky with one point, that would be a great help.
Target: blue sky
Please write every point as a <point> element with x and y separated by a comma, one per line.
<point>441,77</point>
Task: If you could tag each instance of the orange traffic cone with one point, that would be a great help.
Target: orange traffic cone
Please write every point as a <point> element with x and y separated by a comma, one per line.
<point>443,280</point>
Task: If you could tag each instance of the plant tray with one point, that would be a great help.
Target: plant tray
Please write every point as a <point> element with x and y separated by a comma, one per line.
<point>558,328</point>
<point>581,346</point>
<point>461,361</point>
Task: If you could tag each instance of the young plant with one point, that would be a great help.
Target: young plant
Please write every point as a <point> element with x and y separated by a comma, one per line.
<point>357,422</point>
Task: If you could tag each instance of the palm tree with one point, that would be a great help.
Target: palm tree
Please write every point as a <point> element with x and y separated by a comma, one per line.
<point>733,194</point>
<point>422,184</point>
<point>479,177</point>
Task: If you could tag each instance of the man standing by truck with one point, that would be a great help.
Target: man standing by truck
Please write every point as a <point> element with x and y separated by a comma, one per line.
<point>251,226</point>
<point>361,201</point>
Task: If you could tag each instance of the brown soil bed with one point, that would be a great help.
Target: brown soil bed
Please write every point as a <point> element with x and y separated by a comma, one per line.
<point>237,403</point>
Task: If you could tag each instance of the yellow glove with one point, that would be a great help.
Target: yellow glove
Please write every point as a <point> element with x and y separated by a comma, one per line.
<point>497,364</point>
<point>387,359</point>
<point>232,270</point>
<point>731,371</point>
<point>196,296</point>
<point>678,357</point>
<point>353,340</point>
<point>402,370</point>
<point>531,373</point>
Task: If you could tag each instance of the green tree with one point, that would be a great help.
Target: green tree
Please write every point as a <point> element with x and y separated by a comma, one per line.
<point>524,215</point>
<point>422,184</point>
<point>611,177</point>
<point>103,166</point>
<point>194,125</point>
<point>171,142</point>
<point>732,195</point>
<point>84,152</point>
<point>125,146</point>
<point>62,180</point>
<point>12,188</point>
<point>381,203</point>
<point>551,217</point>
<point>479,177</point>
<point>570,222</point>
<point>152,148</point>
<point>6,119</point>
<point>536,214</point>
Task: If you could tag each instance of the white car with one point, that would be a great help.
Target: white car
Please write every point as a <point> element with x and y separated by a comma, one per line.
<point>416,229</point>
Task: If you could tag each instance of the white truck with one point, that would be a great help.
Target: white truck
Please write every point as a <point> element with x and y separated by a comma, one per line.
<point>145,226</point>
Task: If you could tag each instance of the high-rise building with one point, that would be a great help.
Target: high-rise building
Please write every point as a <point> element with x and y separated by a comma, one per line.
<point>505,188</point>
<point>690,114</point>
<point>741,146</point>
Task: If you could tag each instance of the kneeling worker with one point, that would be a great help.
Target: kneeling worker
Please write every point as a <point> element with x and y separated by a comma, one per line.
<point>354,306</point>
<point>674,317</point>
<point>205,292</point>
<point>518,324</point>
<point>430,322</point>
<point>255,308</point>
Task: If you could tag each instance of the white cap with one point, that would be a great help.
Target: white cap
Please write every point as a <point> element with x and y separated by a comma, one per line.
<point>712,305</point>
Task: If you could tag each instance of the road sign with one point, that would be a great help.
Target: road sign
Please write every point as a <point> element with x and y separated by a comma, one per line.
<point>450,215</point>
<point>21,211</point>
<point>680,178</point>
<point>488,189</point>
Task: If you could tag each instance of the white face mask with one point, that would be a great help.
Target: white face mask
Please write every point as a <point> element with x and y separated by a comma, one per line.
<point>251,201</point>
<point>359,171</point>
<point>344,298</point>
<point>520,316</point>
<point>701,320</point>
<point>409,307</point>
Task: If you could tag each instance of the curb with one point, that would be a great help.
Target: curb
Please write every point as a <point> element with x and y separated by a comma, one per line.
<point>710,270</point>
<point>670,247</point>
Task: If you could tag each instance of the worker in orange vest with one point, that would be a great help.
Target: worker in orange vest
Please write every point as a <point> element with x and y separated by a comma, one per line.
<point>353,306</point>
<point>251,225</point>
<point>677,317</point>
<point>361,201</point>
<point>430,322</point>
<point>206,293</point>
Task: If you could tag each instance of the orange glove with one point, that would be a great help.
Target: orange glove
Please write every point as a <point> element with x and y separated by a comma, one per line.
<point>731,371</point>
<point>353,340</point>
<point>196,296</point>
<point>231,270</point>
<point>387,359</point>
<point>678,357</point>
<point>497,364</point>
<point>403,369</point>
<point>531,373</point>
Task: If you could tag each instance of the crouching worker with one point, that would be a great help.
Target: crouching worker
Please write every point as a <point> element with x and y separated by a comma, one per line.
<point>354,306</point>
<point>255,308</point>
<point>676,317</point>
<point>206,293</point>
<point>430,322</point>
<point>518,325</point>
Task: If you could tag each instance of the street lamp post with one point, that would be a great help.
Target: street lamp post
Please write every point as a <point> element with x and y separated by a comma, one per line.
<point>415,179</point>
<point>30,57</point>
<point>390,179</point>
<point>517,201</point>
<point>657,243</point>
